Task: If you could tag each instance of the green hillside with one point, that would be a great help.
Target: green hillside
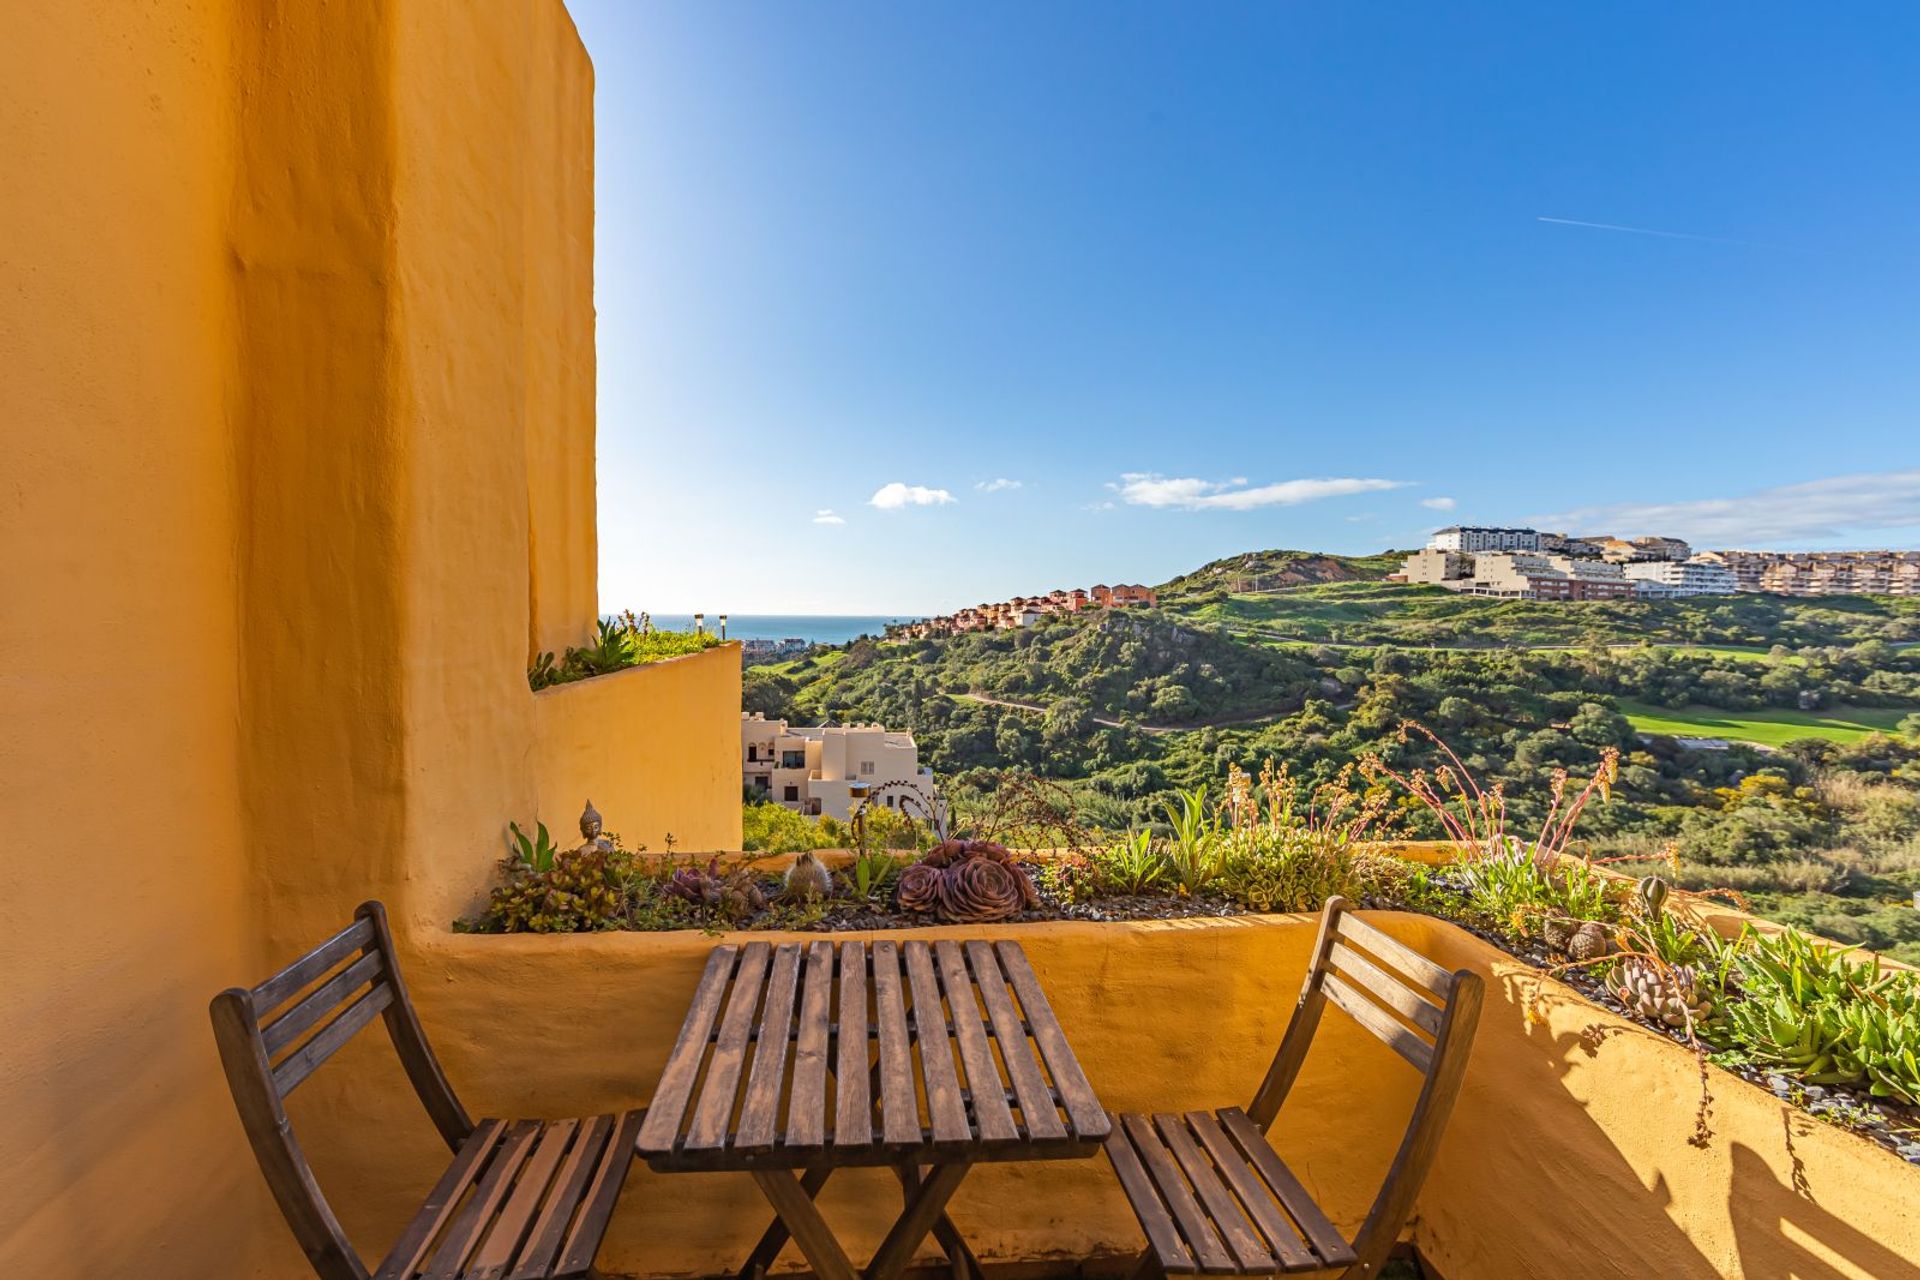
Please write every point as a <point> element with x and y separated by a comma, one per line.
<point>1815,815</point>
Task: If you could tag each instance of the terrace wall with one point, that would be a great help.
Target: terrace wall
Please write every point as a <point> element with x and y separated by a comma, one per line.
<point>1570,1151</point>
<point>297,360</point>
<point>601,740</point>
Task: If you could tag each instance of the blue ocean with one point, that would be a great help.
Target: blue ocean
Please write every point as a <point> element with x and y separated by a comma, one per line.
<point>816,628</point>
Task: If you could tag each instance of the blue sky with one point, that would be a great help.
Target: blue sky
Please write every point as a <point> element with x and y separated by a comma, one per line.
<point>908,306</point>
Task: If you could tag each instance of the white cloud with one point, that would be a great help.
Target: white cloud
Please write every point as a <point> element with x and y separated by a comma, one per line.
<point>1438,504</point>
<point>826,516</point>
<point>997,486</point>
<point>1810,511</point>
<point>1146,489</point>
<point>892,497</point>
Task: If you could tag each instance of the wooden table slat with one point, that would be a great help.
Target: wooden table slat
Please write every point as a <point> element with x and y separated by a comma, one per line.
<point>760,1113</point>
<point>992,1115</point>
<point>713,1113</point>
<point>899,1099</point>
<point>1037,1111</point>
<point>807,1101</point>
<point>677,1078</point>
<point>1076,1094</point>
<point>853,1100</point>
<point>944,1105</point>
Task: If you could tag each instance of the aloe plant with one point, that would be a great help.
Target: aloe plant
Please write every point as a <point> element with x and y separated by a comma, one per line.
<point>537,853</point>
<point>1195,852</point>
<point>1132,864</point>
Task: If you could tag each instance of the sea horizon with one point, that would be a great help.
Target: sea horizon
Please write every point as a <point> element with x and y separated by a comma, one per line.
<point>815,628</point>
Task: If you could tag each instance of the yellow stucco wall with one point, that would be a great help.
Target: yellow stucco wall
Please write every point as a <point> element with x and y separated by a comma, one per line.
<point>1569,1152</point>
<point>296,359</point>
<point>127,891</point>
<point>601,740</point>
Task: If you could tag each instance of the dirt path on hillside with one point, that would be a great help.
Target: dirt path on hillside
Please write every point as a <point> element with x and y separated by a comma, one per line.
<point>1220,723</point>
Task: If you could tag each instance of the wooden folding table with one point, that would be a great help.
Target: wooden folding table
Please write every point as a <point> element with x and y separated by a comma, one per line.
<point>926,1058</point>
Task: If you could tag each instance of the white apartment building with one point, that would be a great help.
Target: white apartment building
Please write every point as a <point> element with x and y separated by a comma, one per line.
<point>1472,539</point>
<point>1525,575</point>
<point>1696,577</point>
<point>827,770</point>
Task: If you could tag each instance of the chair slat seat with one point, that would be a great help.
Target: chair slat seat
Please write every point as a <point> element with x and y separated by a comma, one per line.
<point>1212,1195</point>
<point>1214,1206</point>
<point>517,1200</point>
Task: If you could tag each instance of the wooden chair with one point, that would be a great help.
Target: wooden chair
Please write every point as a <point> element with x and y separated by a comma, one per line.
<point>1212,1195</point>
<point>526,1200</point>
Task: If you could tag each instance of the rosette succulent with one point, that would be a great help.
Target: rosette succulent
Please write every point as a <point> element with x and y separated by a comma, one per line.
<point>918,887</point>
<point>966,882</point>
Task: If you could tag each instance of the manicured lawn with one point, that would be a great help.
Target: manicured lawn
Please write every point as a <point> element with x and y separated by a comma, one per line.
<point>1737,653</point>
<point>1769,727</point>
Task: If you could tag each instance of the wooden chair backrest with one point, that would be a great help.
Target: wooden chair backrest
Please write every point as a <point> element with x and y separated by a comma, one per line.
<point>1415,1007</point>
<point>273,1036</point>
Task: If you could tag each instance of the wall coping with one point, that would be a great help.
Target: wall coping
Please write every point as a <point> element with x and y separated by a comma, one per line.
<point>640,670</point>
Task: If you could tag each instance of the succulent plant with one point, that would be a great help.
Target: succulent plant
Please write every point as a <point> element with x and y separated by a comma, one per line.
<point>735,894</point>
<point>918,887</point>
<point>1651,892</point>
<point>966,882</point>
<point>807,878</point>
<point>577,890</point>
<point>980,890</point>
<point>1666,994</point>
<point>1558,931</point>
<point>1590,942</point>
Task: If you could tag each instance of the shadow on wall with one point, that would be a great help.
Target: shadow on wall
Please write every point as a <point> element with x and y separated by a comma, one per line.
<point>1782,1233</point>
<point>1620,1206</point>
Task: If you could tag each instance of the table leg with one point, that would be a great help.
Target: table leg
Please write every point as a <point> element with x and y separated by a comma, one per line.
<point>775,1237</point>
<point>924,1208</point>
<point>788,1195</point>
<point>952,1243</point>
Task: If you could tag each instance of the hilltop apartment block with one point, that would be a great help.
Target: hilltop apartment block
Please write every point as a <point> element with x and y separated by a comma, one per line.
<point>828,770</point>
<point>1519,563</point>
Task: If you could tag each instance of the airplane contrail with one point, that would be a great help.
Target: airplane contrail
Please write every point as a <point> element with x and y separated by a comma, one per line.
<point>1665,235</point>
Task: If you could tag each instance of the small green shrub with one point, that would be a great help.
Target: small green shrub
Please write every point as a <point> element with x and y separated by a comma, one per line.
<point>618,643</point>
<point>772,828</point>
<point>579,891</point>
<point>1130,865</point>
<point>1288,872</point>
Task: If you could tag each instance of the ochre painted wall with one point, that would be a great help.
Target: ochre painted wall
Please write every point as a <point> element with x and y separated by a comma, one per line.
<point>1569,1153</point>
<point>600,740</point>
<point>128,896</point>
<point>296,362</point>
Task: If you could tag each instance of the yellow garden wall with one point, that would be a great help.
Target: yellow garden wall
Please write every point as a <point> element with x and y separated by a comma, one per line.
<point>601,740</point>
<point>1569,1152</point>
